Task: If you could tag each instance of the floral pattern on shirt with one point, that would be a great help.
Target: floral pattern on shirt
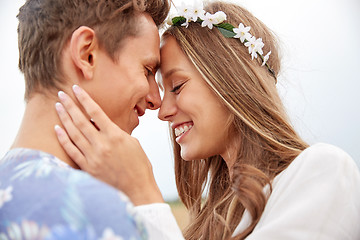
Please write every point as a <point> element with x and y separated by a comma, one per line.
<point>25,230</point>
<point>5,195</point>
<point>42,197</point>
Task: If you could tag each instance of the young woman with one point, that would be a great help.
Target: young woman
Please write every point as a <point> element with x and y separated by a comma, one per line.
<point>230,132</point>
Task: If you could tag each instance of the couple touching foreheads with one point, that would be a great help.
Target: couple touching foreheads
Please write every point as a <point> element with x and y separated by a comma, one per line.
<point>231,135</point>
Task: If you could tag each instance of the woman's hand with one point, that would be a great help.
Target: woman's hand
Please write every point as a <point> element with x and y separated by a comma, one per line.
<point>102,149</point>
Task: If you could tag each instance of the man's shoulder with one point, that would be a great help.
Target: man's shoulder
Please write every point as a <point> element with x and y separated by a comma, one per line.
<point>32,169</point>
<point>35,187</point>
<point>37,168</point>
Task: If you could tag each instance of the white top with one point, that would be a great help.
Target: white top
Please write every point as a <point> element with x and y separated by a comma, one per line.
<point>316,197</point>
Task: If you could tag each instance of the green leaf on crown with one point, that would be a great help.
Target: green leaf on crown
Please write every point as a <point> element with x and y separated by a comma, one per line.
<point>226,33</point>
<point>226,29</point>
<point>178,20</point>
<point>226,26</point>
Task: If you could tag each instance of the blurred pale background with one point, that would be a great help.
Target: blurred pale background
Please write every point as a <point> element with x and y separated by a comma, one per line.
<point>319,82</point>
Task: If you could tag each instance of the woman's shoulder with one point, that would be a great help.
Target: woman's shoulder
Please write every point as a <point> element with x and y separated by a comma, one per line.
<point>318,166</point>
<point>326,152</point>
<point>317,196</point>
<point>322,158</point>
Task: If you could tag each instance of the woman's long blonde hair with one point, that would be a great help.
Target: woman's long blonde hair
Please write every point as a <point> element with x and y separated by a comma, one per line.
<point>267,142</point>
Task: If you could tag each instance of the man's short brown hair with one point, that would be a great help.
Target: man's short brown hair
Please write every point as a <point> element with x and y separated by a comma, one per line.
<point>45,26</point>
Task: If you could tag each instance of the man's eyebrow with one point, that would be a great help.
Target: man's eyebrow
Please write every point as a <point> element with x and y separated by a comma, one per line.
<point>157,65</point>
<point>155,62</point>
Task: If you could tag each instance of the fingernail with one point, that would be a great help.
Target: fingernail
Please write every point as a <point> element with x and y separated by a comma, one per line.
<point>58,129</point>
<point>59,107</point>
<point>76,89</point>
<point>62,95</point>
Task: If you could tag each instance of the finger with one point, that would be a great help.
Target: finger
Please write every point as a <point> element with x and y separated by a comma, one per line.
<point>77,118</point>
<point>93,109</point>
<point>72,131</point>
<point>74,153</point>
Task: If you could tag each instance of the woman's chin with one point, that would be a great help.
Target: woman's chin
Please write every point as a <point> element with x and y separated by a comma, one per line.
<point>185,155</point>
<point>188,156</point>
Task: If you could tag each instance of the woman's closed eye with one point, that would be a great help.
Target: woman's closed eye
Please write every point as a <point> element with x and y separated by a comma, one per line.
<point>177,88</point>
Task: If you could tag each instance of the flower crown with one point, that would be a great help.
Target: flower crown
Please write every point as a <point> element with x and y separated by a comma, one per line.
<point>196,13</point>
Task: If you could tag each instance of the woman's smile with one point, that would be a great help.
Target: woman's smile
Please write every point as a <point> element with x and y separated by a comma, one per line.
<point>182,129</point>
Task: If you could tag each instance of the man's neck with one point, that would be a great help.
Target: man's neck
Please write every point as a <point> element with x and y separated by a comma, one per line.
<point>37,128</point>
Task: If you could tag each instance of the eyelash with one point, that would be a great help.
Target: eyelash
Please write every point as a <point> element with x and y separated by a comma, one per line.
<point>148,72</point>
<point>177,88</point>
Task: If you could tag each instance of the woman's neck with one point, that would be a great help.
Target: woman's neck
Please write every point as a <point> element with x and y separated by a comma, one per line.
<point>231,153</point>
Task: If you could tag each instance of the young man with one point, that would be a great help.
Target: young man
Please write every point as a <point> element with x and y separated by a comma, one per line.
<point>111,49</point>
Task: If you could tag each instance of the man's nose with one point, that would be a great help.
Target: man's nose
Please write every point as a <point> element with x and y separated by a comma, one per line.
<point>153,99</point>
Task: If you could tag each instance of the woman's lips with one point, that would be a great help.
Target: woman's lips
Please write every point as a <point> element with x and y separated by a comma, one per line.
<point>183,128</point>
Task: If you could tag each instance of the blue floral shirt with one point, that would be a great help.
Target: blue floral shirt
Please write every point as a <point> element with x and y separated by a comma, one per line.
<point>42,197</point>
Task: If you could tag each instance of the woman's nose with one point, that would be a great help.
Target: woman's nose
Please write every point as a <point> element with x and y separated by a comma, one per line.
<point>167,109</point>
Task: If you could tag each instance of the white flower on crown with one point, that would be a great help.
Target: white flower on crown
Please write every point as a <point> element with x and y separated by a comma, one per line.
<point>266,58</point>
<point>255,46</point>
<point>209,21</point>
<point>219,17</point>
<point>259,45</point>
<point>242,32</point>
<point>186,12</point>
<point>197,11</point>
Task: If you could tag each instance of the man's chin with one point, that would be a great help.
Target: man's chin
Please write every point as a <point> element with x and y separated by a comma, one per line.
<point>129,130</point>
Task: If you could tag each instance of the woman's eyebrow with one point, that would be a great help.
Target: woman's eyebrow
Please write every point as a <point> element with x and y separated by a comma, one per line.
<point>171,72</point>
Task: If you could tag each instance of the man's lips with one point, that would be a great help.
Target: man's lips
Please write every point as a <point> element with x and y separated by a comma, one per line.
<point>139,110</point>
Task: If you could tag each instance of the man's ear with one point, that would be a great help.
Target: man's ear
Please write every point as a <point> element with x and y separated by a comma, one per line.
<point>83,48</point>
